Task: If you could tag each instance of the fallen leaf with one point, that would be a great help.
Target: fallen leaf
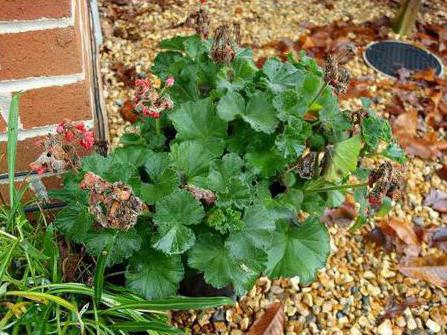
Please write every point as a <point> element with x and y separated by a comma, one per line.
<point>271,322</point>
<point>430,269</point>
<point>127,113</point>
<point>437,200</point>
<point>403,234</point>
<point>405,130</point>
<point>436,237</point>
<point>395,308</point>
<point>341,216</point>
<point>428,74</point>
<point>125,74</point>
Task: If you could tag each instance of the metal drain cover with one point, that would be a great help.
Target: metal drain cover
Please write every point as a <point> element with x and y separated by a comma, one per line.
<point>389,56</point>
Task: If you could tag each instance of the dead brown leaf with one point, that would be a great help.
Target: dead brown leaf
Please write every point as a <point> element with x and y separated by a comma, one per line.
<point>437,200</point>
<point>127,112</point>
<point>271,322</point>
<point>125,74</point>
<point>436,237</point>
<point>341,216</point>
<point>395,308</point>
<point>430,269</point>
<point>403,236</point>
<point>405,130</point>
<point>428,74</point>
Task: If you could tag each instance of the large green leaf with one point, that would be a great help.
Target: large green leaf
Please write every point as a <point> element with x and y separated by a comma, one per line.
<point>230,105</point>
<point>173,214</point>
<point>153,274</point>
<point>226,179</point>
<point>191,159</point>
<point>220,268</point>
<point>124,244</point>
<point>74,221</point>
<point>374,130</point>
<point>260,114</point>
<point>342,159</point>
<point>292,142</point>
<point>281,76</point>
<point>242,71</point>
<point>265,163</point>
<point>298,251</point>
<point>163,62</point>
<point>163,179</point>
<point>256,235</point>
<point>196,121</point>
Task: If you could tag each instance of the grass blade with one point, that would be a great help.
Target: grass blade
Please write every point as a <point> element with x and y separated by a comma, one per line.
<point>42,297</point>
<point>99,275</point>
<point>6,258</point>
<point>13,131</point>
<point>178,303</point>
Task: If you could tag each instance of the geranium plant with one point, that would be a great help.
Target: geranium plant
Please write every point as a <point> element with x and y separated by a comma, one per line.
<point>228,170</point>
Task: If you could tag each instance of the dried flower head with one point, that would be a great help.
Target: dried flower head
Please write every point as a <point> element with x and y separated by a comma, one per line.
<point>199,20</point>
<point>307,165</point>
<point>385,181</point>
<point>225,43</point>
<point>202,194</point>
<point>112,205</point>
<point>334,73</point>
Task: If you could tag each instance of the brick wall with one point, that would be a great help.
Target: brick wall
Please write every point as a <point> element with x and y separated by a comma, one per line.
<point>45,52</point>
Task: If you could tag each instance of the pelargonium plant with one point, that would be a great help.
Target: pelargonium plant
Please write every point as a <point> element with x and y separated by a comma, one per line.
<point>229,169</point>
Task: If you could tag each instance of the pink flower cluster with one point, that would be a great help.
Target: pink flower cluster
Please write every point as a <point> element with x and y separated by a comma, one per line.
<point>77,131</point>
<point>149,101</point>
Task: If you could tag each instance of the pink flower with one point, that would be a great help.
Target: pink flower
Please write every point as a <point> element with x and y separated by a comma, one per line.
<point>39,169</point>
<point>69,135</point>
<point>81,127</point>
<point>170,81</point>
<point>61,128</point>
<point>142,86</point>
<point>167,104</point>
<point>146,111</point>
<point>88,140</point>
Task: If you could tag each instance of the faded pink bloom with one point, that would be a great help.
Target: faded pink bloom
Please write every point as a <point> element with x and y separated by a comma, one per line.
<point>39,169</point>
<point>81,127</point>
<point>142,86</point>
<point>88,140</point>
<point>69,135</point>
<point>170,81</point>
<point>61,128</point>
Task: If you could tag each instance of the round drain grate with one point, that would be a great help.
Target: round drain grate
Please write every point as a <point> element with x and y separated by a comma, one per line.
<point>389,56</point>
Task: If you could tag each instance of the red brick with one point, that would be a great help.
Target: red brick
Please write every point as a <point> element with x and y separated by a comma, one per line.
<point>40,53</point>
<point>51,105</point>
<point>27,152</point>
<point>32,10</point>
<point>2,124</point>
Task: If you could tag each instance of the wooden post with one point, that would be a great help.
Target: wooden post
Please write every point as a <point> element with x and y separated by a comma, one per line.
<point>403,22</point>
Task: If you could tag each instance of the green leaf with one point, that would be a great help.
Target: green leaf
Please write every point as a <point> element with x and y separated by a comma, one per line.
<point>281,76</point>
<point>163,62</point>
<point>395,152</point>
<point>11,149</point>
<point>310,88</point>
<point>99,270</point>
<point>230,105</point>
<point>133,155</point>
<point>374,130</point>
<point>292,142</point>
<point>385,208</point>
<point>74,221</point>
<point>195,47</point>
<point>220,268</point>
<point>163,179</point>
<point>298,251</point>
<point>342,159</point>
<point>153,274</point>
<point>173,214</point>
<point>176,43</point>
<point>260,114</point>
<point>242,71</point>
<point>256,234</point>
<point>196,121</point>
<point>191,159</point>
<point>265,163</point>
<point>225,220</point>
<point>124,244</point>
<point>97,164</point>
<point>227,180</point>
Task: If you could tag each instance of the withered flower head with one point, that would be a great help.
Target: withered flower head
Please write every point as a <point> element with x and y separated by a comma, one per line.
<point>199,20</point>
<point>224,44</point>
<point>201,194</point>
<point>307,165</point>
<point>334,73</point>
<point>112,205</point>
<point>385,181</point>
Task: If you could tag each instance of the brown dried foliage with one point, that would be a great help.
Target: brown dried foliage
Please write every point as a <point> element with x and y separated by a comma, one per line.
<point>271,322</point>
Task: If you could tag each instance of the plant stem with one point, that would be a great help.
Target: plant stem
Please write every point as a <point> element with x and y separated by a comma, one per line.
<point>322,88</point>
<point>338,187</point>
